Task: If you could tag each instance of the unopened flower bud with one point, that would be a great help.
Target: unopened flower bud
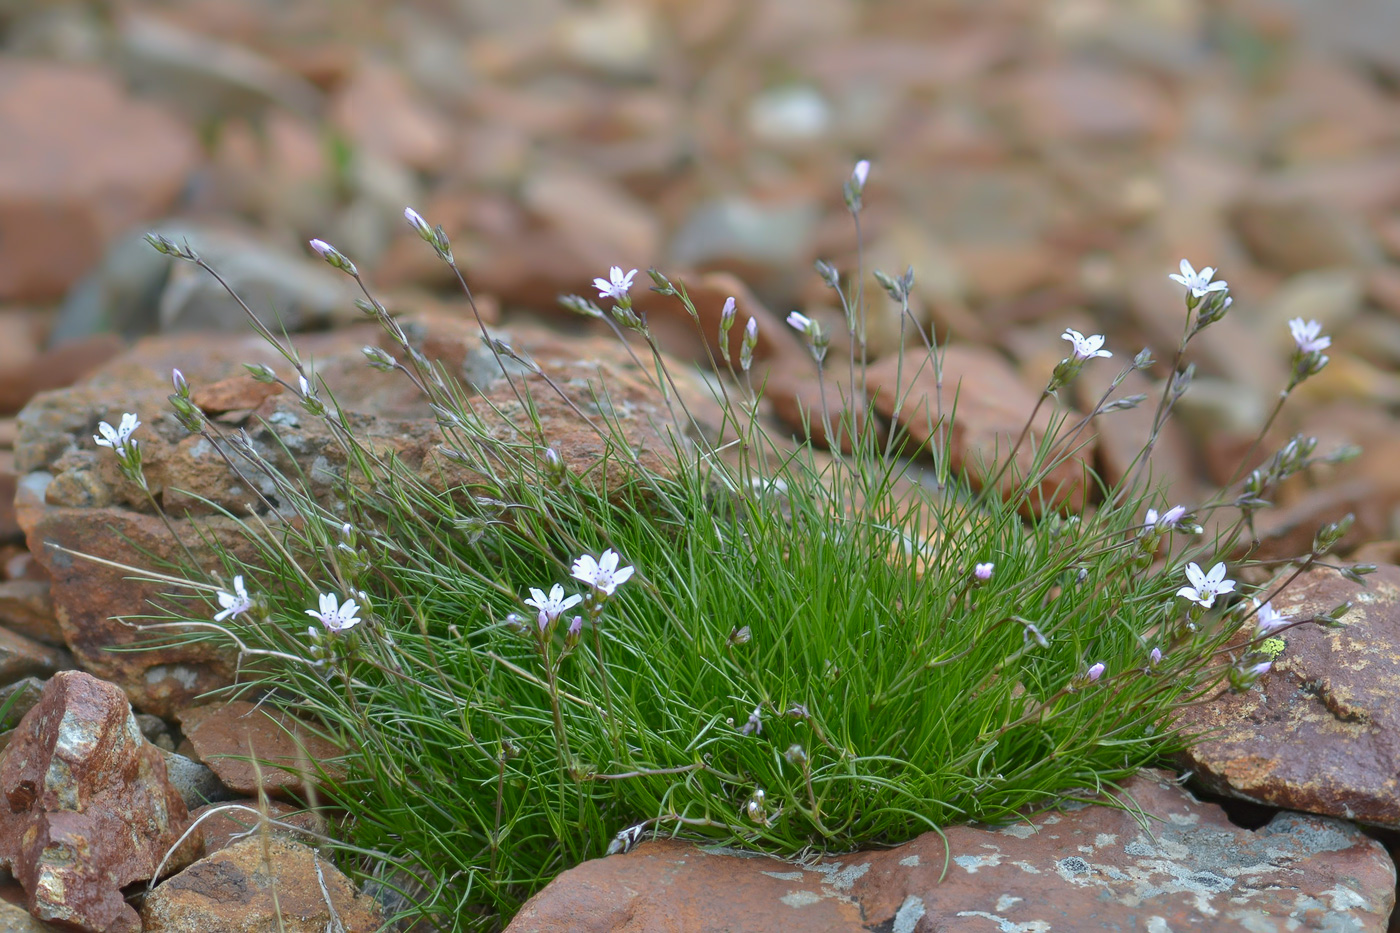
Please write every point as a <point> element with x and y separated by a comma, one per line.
<point>182,388</point>
<point>580,305</point>
<point>334,257</point>
<point>379,359</point>
<point>740,636</point>
<point>895,287</point>
<point>660,284</point>
<point>726,321</point>
<point>828,273</point>
<point>749,344</point>
<point>796,754</point>
<point>516,624</point>
<point>554,467</point>
<point>169,247</point>
<point>1143,359</point>
<point>261,373</point>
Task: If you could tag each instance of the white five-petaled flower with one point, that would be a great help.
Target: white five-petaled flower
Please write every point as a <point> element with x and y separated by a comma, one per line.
<point>335,615</point>
<point>983,572</point>
<point>234,603</point>
<point>1198,283</point>
<point>552,606</point>
<point>1267,618</point>
<point>118,437</point>
<point>616,285</point>
<point>1306,334</point>
<point>1167,520</point>
<point>603,574</point>
<point>1205,586</point>
<point>1085,348</point>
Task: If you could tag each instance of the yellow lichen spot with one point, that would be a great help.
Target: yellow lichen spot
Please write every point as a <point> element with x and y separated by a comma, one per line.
<point>1273,647</point>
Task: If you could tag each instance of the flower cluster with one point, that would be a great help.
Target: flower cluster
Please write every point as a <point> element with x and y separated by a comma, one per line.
<point>603,575</point>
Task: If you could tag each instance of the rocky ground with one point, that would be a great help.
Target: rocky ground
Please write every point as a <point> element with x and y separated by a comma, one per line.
<point>1040,163</point>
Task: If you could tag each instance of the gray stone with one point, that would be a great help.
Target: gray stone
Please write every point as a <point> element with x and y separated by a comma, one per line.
<point>196,783</point>
<point>206,77</point>
<point>137,291</point>
<point>734,228</point>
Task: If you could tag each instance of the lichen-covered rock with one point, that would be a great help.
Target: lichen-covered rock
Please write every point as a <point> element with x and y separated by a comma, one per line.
<point>1090,869</point>
<point>260,886</point>
<point>1321,731</point>
<point>88,807</point>
<point>248,745</point>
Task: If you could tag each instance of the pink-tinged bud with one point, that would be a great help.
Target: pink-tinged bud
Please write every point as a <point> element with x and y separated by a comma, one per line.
<point>1095,672</point>
<point>416,221</point>
<point>182,388</point>
<point>726,316</point>
<point>983,572</point>
<point>576,626</point>
<point>1259,670</point>
<point>1155,657</point>
<point>323,249</point>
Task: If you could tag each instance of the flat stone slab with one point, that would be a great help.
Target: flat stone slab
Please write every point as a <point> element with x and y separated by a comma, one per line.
<point>1321,731</point>
<point>1090,869</point>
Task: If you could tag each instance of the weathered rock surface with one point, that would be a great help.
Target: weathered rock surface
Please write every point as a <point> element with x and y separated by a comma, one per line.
<point>992,406</point>
<point>14,918</point>
<point>22,657</point>
<point>89,809</point>
<point>248,745</point>
<point>26,609</point>
<point>1095,868</point>
<point>73,495</point>
<point>291,890</point>
<point>82,161</point>
<point>224,823</point>
<point>1321,731</point>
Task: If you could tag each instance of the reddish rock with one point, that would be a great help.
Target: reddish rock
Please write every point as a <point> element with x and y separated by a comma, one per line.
<point>250,746</point>
<point>257,885</point>
<point>21,657</point>
<point>225,823</point>
<point>89,808</point>
<point>27,610</point>
<point>90,598</point>
<point>1321,731</point>
<point>14,918</point>
<point>1090,105</point>
<point>1095,868</point>
<point>81,163</point>
<point>235,393</point>
<point>379,111</point>
<point>62,366</point>
<point>992,407</point>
